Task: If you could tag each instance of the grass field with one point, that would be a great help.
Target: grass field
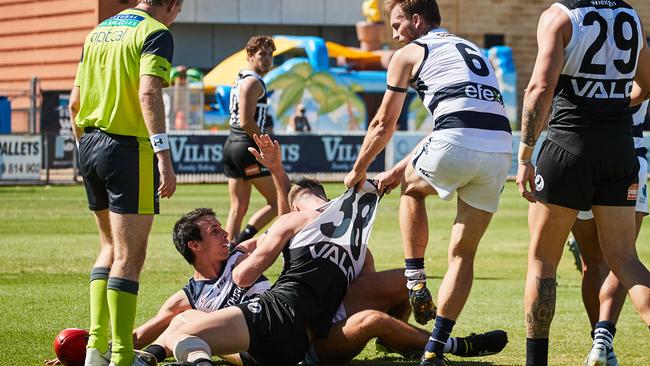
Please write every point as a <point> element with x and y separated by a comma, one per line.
<point>48,242</point>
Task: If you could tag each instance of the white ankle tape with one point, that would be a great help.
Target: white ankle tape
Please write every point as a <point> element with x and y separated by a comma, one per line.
<point>191,349</point>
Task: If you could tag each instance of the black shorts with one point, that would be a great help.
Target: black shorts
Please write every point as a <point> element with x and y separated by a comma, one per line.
<point>238,162</point>
<point>278,334</point>
<point>567,180</point>
<point>120,172</point>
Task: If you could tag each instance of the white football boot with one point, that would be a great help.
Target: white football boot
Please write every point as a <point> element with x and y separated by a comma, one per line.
<point>96,358</point>
<point>596,357</point>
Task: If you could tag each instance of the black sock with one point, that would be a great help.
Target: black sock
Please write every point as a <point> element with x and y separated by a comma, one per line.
<point>203,362</point>
<point>536,352</point>
<point>158,352</point>
<point>248,232</point>
<point>439,336</point>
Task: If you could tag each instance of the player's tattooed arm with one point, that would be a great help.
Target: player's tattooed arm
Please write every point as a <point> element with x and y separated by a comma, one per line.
<point>540,314</point>
<point>532,123</point>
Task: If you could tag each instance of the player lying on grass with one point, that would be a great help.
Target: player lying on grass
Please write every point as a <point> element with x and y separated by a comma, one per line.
<point>368,303</point>
<point>324,249</point>
<point>371,297</point>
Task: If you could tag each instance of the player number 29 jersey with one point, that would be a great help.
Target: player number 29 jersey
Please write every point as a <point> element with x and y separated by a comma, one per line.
<point>600,64</point>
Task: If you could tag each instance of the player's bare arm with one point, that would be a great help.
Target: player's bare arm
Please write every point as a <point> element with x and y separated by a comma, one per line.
<point>73,106</point>
<point>641,90</point>
<point>553,31</point>
<point>383,125</point>
<point>250,91</point>
<point>153,111</point>
<point>268,250</point>
<point>270,155</point>
<point>154,327</point>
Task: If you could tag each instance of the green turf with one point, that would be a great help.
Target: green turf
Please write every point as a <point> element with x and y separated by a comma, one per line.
<point>48,242</point>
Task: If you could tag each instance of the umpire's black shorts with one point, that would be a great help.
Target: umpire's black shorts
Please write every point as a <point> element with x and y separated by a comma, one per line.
<point>576,182</point>
<point>278,333</point>
<point>239,163</point>
<point>120,172</point>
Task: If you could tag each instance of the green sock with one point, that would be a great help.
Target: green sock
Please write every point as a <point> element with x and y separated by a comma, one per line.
<point>99,315</point>
<point>122,303</point>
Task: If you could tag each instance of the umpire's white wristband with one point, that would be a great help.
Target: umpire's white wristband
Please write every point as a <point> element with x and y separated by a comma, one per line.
<point>159,142</point>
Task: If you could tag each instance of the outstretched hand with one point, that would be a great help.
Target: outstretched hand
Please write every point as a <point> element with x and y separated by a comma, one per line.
<point>269,154</point>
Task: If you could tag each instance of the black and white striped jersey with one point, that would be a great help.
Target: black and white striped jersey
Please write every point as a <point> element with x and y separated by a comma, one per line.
<point>222,292</point>
<point>260,110</point>
<point>457,84</point>
<point>593,91</point>
<point>323,259</point>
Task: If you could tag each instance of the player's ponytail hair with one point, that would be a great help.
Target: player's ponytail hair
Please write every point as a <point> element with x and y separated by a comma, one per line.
<point>428,9</point>
<point>186,229</point>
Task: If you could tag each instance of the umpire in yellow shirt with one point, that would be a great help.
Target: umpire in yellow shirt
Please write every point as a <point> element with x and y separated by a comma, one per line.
<point>125,161</point>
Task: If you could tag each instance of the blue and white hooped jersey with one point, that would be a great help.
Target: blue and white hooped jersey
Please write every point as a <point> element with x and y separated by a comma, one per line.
<point>457,84</point>
<point>222,292</point>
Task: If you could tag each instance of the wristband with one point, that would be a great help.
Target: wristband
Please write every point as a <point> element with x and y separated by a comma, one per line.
<point>159,142</point>
<point>525,162</point>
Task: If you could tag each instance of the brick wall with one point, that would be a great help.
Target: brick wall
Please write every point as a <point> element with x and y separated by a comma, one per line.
<point>43,38</point>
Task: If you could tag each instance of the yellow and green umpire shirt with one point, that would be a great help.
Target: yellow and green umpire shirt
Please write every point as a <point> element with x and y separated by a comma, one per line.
<point>115,54</point>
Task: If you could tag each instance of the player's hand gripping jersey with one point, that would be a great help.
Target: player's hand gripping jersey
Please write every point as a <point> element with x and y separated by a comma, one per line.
<point>323,259</point>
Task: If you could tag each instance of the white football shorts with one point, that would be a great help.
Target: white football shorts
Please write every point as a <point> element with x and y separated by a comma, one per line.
<point>477,176</point>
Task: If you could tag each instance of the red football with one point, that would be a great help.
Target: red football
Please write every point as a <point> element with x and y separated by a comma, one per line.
<point>70,346</point>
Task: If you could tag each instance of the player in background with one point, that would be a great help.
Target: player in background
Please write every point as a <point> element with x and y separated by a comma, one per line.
<point>248,117</point>
<point>602,293</point>
<point>124,158</point>
<point>468,152</point>
<point>586,67</point>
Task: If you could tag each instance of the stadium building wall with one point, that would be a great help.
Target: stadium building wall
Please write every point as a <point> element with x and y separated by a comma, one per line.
<point>43,38</point>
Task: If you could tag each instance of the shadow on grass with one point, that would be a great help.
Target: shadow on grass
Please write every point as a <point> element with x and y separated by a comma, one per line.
<point>387,361</point>
<point>477,278</point>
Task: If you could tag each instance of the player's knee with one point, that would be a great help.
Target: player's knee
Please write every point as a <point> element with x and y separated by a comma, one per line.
<point>177,321</point>
<point>371,320</point>
<point>622,266</point>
